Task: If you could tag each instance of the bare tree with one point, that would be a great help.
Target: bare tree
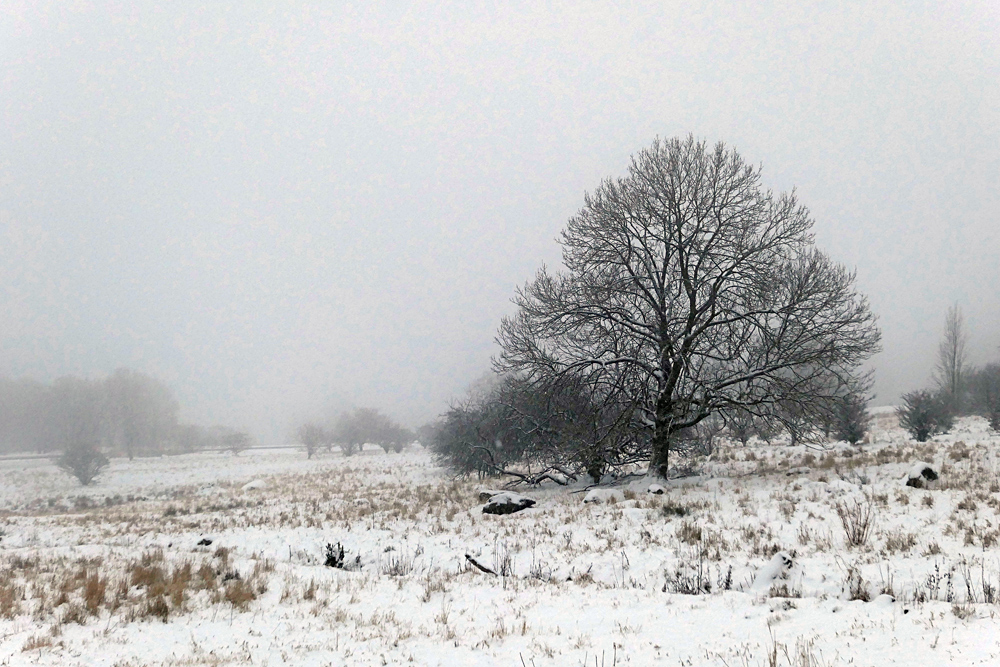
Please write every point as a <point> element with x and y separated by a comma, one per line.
<point>690,290</point>
<point>985,393</point>
<point>312,436</point>
<point>950,371</point>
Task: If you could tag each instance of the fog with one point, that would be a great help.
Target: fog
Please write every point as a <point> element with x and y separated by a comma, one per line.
<point>282,212</point>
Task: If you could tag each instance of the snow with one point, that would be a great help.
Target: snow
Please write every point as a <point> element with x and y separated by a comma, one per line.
<point>583,581</point>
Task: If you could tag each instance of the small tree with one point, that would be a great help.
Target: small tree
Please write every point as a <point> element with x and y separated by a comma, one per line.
<point>83,461</point>
<point>851,419</point>
<point>312,436</point>
<point>75,420</point>
<point>924,414</point>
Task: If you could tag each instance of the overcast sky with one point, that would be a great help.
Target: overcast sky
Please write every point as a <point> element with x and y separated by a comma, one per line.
<point>284,210</point>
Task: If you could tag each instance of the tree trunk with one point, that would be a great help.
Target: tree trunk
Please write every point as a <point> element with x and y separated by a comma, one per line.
<point>660,449</point>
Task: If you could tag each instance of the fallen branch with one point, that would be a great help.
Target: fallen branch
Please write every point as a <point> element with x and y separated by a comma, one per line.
<point>481,568</point>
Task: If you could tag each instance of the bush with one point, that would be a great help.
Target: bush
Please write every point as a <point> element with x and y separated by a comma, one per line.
<point>84,462</point>
<point>924,414</point>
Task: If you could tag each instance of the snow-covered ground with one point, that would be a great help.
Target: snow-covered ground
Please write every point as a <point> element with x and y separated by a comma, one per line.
<point>746,564</point>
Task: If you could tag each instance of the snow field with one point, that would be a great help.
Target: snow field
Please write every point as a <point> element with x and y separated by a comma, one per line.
<point>115,575</point>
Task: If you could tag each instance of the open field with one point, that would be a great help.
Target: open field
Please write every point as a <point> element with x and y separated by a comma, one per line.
<point>114,574</point>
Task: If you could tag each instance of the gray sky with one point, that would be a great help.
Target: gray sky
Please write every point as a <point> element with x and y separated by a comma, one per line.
<point>281,209</point>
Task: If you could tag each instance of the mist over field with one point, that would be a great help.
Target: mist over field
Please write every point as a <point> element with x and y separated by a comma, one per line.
<point>284,212</point>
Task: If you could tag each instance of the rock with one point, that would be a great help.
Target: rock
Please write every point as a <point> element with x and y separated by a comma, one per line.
<point>486,494</point>
<point>507,503</point>
<point>204,542</point>
<point>255,485</point>
<point>921,475</point>
<point>603,496</point>
<point>656,490</point>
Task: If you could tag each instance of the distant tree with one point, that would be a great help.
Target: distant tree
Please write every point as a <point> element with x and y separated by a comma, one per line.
<point>312,436</point>
<point>984,385</point>
<point>851,419</point>
<point>236,441</point>
<point>190,438</point>
<point>950,371</point>
<point>925,414</point>
<point>351,432</point>
<point>426,433</point>
<point>395,438</point>
<point>367,425</point>
<point>140,412</point>
<point>743,425</point>
<point>690,290</point>
<point>25,413</point>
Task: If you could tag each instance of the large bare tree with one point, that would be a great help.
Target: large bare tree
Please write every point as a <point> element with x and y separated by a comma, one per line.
<point>690,290</point>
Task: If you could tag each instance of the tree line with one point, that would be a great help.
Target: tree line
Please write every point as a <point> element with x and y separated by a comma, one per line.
<point>352,430</point>
<point>126,413</point>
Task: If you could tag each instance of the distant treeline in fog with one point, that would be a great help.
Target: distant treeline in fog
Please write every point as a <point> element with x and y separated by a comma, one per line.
<point>127,414</point>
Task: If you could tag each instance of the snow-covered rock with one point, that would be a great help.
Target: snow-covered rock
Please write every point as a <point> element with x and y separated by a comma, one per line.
<point>255,485</point>
<point>603,496</point>
<point>921,475</point>
<point>507,503</point>
<point>778,568</point>
<point>656,489</point>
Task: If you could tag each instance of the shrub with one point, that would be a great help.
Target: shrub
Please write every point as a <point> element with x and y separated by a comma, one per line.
<point>858,520</point>
<point>334,556</point>
<point>924,414</point>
